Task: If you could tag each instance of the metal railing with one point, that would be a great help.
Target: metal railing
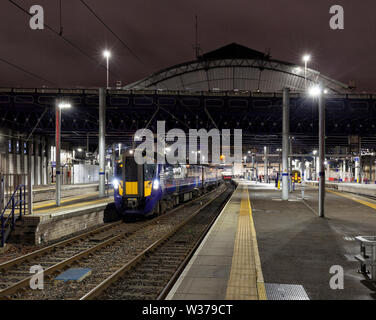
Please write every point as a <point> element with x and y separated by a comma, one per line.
<point>14,201</point>
<point>17,201</point>
<point>367,256</point>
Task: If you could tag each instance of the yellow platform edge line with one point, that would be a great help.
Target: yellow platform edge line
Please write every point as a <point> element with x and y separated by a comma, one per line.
<point>366,203</point>
<point>259,276</point>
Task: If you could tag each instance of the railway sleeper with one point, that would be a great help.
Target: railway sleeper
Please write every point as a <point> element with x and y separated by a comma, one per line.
<point>162,270</point>
<point>148,282</point>
<point>164,254</point>
<point>167,265</point>
<point>130,296</point>
<point>142,288</point>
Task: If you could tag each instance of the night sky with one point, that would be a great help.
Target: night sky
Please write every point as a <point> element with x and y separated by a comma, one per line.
<point>161,33</point>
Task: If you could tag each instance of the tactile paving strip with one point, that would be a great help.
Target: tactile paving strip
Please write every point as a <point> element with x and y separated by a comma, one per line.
<point>242,284</point>
<point>276,291</point>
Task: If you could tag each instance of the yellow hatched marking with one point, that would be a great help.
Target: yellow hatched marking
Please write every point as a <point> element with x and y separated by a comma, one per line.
<point>147,188</point>
<point>245,282</point>
<point>121,188</point>
<point>366,203</point>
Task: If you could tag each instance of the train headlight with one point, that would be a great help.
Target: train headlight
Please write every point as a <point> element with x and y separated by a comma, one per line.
<point>156,184</point>
<point>115,182</point>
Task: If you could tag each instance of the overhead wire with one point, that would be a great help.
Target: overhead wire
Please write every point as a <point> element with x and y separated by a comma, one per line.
<point>111,31</point>
<point>26,71</point>
<point>63,37</point>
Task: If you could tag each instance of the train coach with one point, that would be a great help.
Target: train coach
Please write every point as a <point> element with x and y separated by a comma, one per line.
<point>152,189</point>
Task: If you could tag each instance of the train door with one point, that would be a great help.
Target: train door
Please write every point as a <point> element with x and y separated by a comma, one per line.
<point>132,177</point>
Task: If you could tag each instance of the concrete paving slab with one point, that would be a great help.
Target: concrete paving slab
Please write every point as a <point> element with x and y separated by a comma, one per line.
<point>297,247</point>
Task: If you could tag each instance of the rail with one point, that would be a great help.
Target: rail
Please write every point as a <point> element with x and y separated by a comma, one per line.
<point>119,273</point>
<point>37,257</point>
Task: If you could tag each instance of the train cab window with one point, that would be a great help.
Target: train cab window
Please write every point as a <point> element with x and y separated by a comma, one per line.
<point>131,169</point>
<point>149,170</point>
<point>190,171</point>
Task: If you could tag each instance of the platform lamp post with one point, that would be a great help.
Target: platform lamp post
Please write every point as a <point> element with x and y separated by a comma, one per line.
<point>107,55</point>
<point>317,92</point>
<point>60,105</point>
<point>102,141</point>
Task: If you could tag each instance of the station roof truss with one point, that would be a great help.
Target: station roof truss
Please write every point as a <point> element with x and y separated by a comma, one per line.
<point>235,67</point>
<point>259,115</point>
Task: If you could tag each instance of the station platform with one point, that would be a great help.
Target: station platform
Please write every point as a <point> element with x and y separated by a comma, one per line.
<point>357,188</point>
<point>49,222</point>
<point>227,263</point>
<point>264,248</point>
<point>47,192</point>
<point>70,203</point>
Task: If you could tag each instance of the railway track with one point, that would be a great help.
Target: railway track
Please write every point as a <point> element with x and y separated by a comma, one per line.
<point>101,249</point>
<point>151,274</point>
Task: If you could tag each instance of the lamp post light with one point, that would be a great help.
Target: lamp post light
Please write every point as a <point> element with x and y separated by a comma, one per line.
<point>107,55</point>
<point>306,59</point>
<point>317,92</point>
<point>61,105</point>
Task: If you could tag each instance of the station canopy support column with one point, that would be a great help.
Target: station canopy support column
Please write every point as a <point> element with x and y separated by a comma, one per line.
<point>102,132</point>
<point>266,173</point>
<point>321,155</point>
<point>285,143</point>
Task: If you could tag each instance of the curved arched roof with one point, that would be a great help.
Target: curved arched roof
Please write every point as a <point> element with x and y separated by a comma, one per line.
<point>235,67</point>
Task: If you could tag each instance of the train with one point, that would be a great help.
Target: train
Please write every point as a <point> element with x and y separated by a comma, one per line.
<point>152,189</point>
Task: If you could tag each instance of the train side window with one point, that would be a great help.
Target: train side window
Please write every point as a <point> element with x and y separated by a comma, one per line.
<point>169,174</point>
<point>178,172</point>
<point>118,171</point>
